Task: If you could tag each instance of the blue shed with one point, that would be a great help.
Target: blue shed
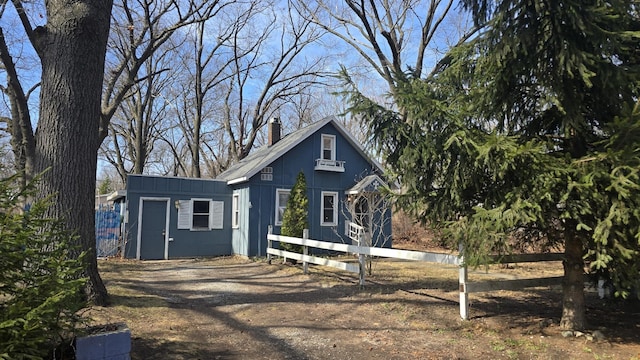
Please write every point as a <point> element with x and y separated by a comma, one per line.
<point>172,217</point>
<point>232,214</point>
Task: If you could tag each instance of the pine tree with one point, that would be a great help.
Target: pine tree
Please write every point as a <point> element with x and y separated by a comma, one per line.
<point>40,277</point>
<point>295,217</point>
<point>528,133</point>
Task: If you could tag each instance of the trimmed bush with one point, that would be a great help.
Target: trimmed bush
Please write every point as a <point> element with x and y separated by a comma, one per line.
<point>294,219</point>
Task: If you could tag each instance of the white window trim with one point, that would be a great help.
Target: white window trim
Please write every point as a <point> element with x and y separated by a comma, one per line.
<point>278,222</point>
<point>335,208</point>
<point>235,211</point>
<point>185,215</point>
<point>192,214</point>
<point>333,146</point>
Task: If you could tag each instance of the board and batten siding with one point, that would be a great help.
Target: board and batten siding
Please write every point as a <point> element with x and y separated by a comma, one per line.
<point>284,172</point>
<point>256,200</point>
<point>184,241</point>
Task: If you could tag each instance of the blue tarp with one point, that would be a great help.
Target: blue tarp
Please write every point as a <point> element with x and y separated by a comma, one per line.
<point>108,222</point>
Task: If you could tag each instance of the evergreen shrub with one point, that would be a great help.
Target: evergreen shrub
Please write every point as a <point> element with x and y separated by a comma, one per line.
<point>40,281</point>
<point>294,219</point>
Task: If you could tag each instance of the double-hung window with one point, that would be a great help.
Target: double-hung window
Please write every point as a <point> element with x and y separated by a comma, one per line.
<point>200,214</point>
<point>328,151</point>
<point>329,210</point>
<point>282,197</point>
<point>327,160</point>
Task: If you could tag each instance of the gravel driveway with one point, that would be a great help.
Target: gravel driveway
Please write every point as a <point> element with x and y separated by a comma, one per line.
<point>232,308</point>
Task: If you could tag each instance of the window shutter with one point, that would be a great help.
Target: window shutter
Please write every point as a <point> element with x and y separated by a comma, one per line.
<point>184,214</point>
<point>216,216</point>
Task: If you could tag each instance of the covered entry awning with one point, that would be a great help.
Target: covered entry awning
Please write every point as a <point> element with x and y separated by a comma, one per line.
<point>369,184</point>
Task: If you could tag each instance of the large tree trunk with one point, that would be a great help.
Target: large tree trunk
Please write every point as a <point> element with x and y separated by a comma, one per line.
<point>72,49</point>
<point>573,305</point>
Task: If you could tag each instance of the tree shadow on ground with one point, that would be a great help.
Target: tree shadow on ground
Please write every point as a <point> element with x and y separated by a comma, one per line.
<point>520,310</point>
<point>140,347</point>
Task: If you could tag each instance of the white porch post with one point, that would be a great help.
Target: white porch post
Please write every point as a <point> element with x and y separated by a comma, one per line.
<point>463,277</point>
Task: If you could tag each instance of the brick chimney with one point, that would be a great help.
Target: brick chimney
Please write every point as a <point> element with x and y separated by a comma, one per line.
<point>274,130</point>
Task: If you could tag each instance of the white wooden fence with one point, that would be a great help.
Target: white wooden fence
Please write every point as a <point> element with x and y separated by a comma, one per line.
<point>465,287</point>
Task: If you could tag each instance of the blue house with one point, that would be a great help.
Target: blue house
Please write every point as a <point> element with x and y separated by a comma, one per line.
<point>181,217</point>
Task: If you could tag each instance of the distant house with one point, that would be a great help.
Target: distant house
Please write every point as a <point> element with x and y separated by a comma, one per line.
<point>181,217</point>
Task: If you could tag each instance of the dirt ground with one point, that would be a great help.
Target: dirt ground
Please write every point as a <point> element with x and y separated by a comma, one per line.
<point>234,308</point>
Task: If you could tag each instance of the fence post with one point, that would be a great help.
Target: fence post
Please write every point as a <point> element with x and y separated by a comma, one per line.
<point>463,277</point>
<point>269,244</point>
<point>305,251</point>
<point>362,261</point>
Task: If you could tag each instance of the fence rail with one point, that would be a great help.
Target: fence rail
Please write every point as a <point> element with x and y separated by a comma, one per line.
<point>465,287</point>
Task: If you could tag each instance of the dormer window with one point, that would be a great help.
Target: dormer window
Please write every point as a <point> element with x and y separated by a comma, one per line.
<point>327,160</point>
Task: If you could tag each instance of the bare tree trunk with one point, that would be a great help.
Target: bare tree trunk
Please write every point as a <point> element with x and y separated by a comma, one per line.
<point>19,126</point>
<point>196,146</point>
<point>573,303</point>
<point>139,138</point>
<point>72,48</point>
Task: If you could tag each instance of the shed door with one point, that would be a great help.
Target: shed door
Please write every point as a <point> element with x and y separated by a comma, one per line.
<point>153,244</point>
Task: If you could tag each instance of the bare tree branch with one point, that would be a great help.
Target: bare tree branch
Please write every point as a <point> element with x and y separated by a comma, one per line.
<point>145,32</point>
<point>382,32</point>
<point>26,24</point>
<point>22,136</point>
